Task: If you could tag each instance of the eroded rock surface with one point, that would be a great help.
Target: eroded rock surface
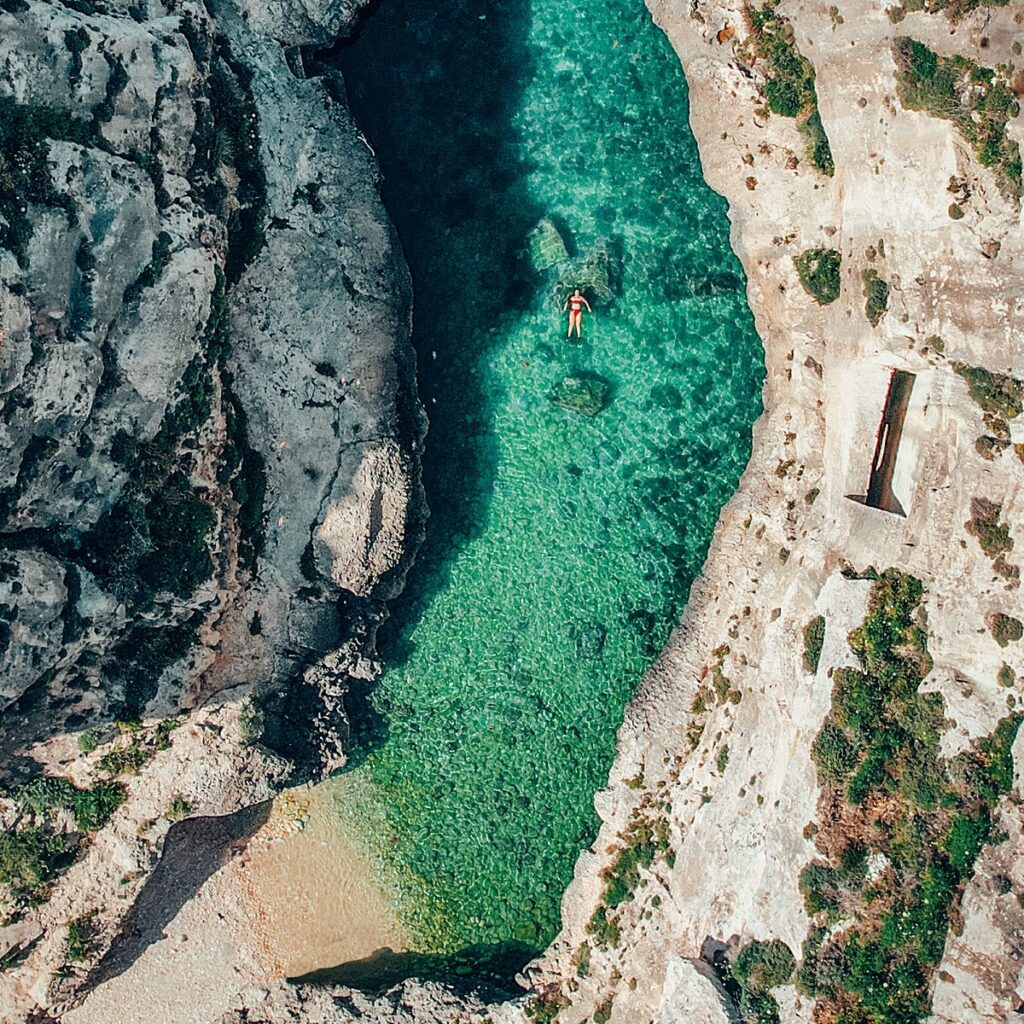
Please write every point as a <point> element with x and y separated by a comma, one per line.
<point>208,442</point>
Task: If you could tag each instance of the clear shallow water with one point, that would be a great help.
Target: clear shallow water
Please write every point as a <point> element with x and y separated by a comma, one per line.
<point>560,549</point>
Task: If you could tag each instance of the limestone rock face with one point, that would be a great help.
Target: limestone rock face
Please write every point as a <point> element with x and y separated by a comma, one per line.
<point>209,428</point>
<point>205,319</point>
<point>692,993</point>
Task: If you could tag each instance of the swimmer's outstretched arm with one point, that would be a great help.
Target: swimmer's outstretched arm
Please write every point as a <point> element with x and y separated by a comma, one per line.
<point>587,304</point>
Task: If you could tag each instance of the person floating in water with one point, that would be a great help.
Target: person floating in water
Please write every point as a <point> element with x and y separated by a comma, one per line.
<point>575,303</point>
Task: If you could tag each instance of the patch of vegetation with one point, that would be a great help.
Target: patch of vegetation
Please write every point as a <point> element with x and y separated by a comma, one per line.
<point>818,270</point>
<point>25,178</point>
<point>997,394</point>
<point>250,721</point>
<point>231,139</point>
<point>603,1013</point>
<point>759,967</point>
<point>545,1008</point>
<point>978,100</point>
<point>136,747</point>
<point>152,272</point>
<point>814,639</point>
<point>888,793</point>
<point>1005,628</point>
<point>30,858</point>
<point>642,841</point>
<point>77,41</point>
<point>876,295</point>
<point>993,536</point>
<point>178,808</point>
<point>87,741</point>
<point>91,808</point>
<point>154,537</point>
<point>117,81</point>
<point>80,936</point>
<point>722,761</point>
<point>789,79</point>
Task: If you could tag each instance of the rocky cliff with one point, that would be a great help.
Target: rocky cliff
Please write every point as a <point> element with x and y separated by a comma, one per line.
<point>209,467</point>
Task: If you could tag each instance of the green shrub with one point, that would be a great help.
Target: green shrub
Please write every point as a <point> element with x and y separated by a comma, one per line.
<point>80,936</point>
<point>789,79</point>
<point>834,754</point>
<point>545,1008</point>
<point>996,393</point>
<point>178,808</point>
<point>814,639</point>
<point>159,261</point>
<point>876,295</point>
<point>763,965</point>
<point>818,270</point>
<point>124,760</point>
<point>91,808</point>
<point>25,178</point>
<point>978,100</point>
<point>30,858</point>
<point>1005,628</point>
<point>603,1013</point>
<point>964,840</point>
<point>995,752</point>
<point>604,928</point>
<point>819,152</point>
<point>250,721</point>
<point>87,741</point>
<point>993,536</point>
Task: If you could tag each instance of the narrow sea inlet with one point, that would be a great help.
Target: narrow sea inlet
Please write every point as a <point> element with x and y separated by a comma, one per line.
<point>561,546</point>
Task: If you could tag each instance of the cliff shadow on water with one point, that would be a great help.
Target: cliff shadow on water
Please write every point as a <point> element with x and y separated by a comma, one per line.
<point>434,85</point>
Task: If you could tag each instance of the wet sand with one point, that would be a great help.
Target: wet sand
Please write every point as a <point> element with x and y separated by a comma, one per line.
<point>310,896</point>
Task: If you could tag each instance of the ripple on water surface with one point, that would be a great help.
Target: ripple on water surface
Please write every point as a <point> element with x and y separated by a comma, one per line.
<point>561,548</point>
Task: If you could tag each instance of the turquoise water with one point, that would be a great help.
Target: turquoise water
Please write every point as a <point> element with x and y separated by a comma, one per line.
<point>561,548</point>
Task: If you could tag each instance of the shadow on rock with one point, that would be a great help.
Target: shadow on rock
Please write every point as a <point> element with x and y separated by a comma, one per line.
<point>193,851</point>
<point>487,969</point>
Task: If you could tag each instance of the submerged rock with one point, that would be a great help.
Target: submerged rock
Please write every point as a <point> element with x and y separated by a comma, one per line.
<point>583,393</point>
<point>546,245</point>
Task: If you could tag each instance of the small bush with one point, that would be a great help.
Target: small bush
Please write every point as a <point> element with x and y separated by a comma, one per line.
<point>814,639</point>
<point>29,860</point>
<point>758,967</point>
<point>178,809</point>
<point>124,760</point>
<point>80,936</point>
<point>1005,629</point>
<point>834,754</point>
<point>993,536</point>
<point>818,270</point>
<point>996,393</point>
<point>87,741</point>
<point>876,295</point>
<point>764,965</point>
